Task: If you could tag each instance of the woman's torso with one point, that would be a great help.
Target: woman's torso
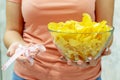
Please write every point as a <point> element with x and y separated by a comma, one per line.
<point>47,66</point>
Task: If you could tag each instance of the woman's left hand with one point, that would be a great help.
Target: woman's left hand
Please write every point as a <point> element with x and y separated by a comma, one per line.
<point>91,62</point>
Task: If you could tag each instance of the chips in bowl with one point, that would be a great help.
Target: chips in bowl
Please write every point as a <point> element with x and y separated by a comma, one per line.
<point>81,40</point>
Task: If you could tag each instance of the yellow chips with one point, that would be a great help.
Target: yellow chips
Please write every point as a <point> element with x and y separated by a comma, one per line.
<point>79,40</point>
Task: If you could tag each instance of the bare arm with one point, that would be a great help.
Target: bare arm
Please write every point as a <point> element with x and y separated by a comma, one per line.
<point>14,24</point>
<point>105,10</point>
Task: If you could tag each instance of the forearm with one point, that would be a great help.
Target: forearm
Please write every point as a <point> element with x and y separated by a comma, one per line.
<point>14,24</point>
<point>12,37</point>
<point>105,11</point>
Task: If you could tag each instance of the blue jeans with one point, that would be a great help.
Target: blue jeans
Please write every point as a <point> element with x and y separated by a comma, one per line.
<point>16,77</point>
<point>99,78</point>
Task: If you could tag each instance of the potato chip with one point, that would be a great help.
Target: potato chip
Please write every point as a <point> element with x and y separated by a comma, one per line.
<point>80,40</point>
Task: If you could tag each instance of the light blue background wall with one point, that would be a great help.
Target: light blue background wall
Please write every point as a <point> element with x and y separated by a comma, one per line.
<point>110,64</point>
<point>5,75</point>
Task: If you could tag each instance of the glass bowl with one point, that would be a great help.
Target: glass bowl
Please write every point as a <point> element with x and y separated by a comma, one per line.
<point>81,46</point>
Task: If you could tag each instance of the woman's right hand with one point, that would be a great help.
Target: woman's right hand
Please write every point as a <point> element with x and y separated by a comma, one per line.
<point>28,51</point>
<point>11,51</point>
<point>14,51</point>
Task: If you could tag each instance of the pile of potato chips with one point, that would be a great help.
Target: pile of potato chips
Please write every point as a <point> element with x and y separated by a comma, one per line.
<point>80,40</point>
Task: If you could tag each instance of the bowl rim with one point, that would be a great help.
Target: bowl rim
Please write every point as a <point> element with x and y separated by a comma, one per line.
<point>111,30</point>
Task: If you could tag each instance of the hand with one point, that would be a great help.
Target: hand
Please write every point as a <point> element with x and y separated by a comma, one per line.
<point>24,54</point>
<point>91,62</point>
<point>28,52</point>
<point>83,64</point>
<point>31,50</point>
<point>12,49</point>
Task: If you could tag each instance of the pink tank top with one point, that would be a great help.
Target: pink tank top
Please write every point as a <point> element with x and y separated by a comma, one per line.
<point>37,14</point>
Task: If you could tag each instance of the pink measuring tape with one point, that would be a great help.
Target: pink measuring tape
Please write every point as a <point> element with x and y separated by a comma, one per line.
<point>23,50</point>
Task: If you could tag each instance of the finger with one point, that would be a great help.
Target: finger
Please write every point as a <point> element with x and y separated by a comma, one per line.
<point>92,61</point>
<point>23,59</point>
<point>32,55</point>
<point>79,62</point>
<point>10,52</point>
<point>84,65</point>
<point>69,62</point>
<point>34,52</point>
<point>106,52</point>
<point>11,49</point>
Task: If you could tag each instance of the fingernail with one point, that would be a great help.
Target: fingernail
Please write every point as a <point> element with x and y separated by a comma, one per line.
<point>89,58</point>
<point>107,49</point>
<point>79,62</point>
<point>69,62</point>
